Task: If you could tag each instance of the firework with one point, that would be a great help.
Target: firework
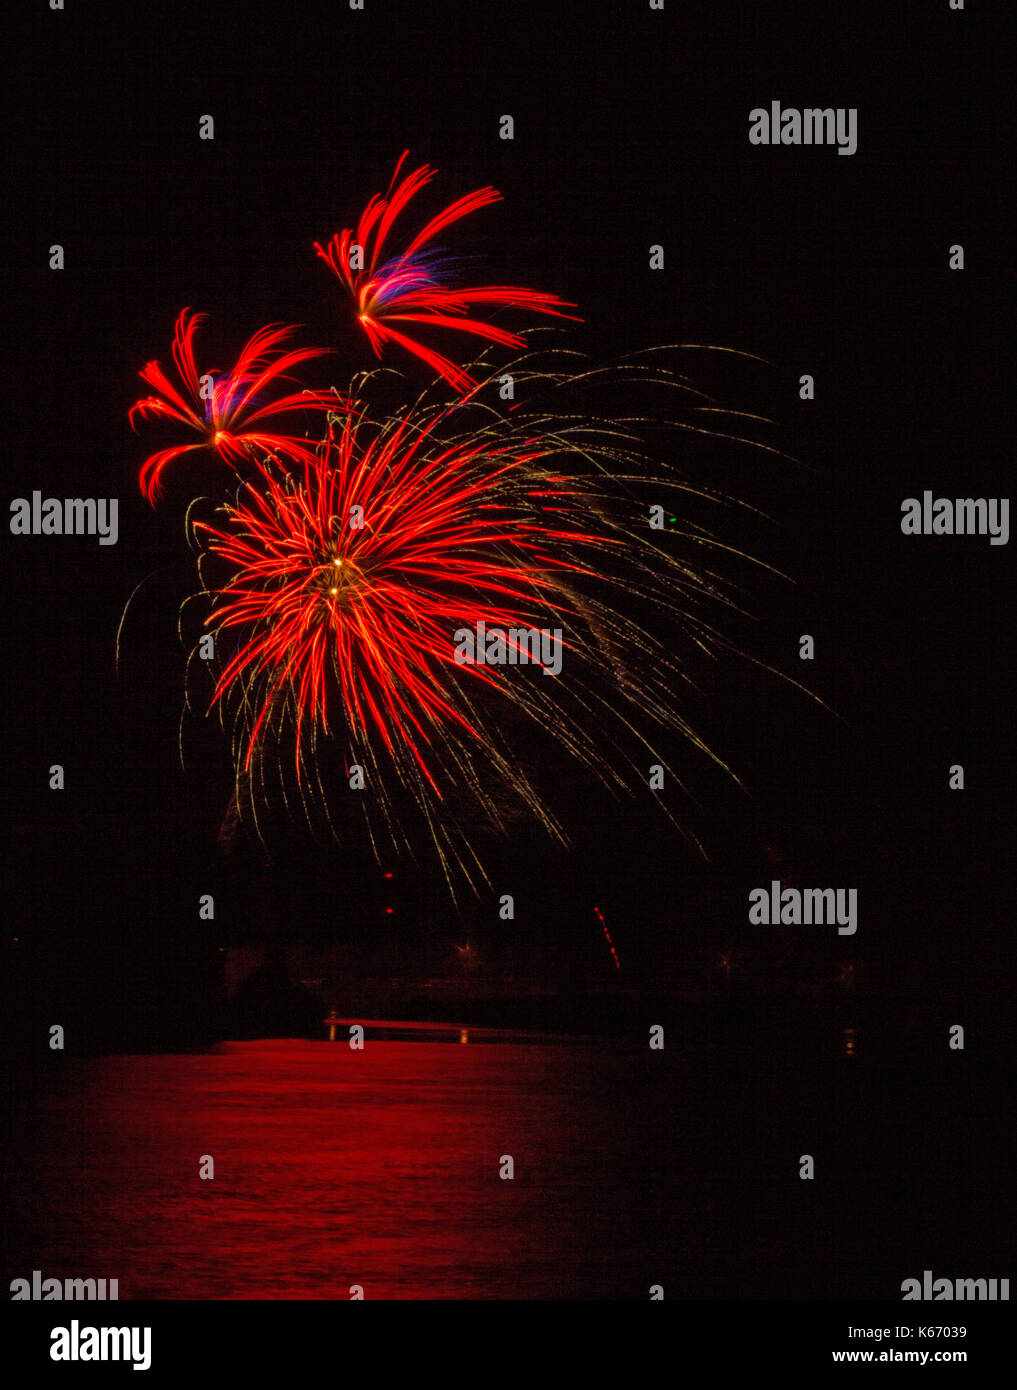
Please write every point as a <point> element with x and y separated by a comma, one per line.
<point>353,582</point>
<point>337,591</point>
<point>411,286</point>
<point>223,407</point>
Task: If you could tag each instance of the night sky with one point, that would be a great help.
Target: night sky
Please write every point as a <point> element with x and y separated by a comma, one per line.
<point>624,138</point>
<point>631,129</point>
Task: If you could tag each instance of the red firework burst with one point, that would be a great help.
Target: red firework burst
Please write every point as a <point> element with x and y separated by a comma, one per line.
<point>409,288</point>
<point>224,413</point>
<point>349,582</point>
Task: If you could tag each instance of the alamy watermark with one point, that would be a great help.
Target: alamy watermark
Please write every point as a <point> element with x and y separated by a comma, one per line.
<point>69,516</point>
<point>815,125</point>
<point>928,1289</point>
<point>50,1289</point>
<point>513,646</point>
<point>792,907</point>
<point>960,516</point>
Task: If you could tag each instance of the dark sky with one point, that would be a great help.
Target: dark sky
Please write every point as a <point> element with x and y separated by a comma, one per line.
<point>631,128</point>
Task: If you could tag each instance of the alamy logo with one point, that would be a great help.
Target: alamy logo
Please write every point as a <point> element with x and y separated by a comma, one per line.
<point>513,646</point>
<point>815,125</point>
<point>72,516</point>
<point>77,1343</point>
<point>794,907</point>
<point>929,1290</point>
<point>961,516</point>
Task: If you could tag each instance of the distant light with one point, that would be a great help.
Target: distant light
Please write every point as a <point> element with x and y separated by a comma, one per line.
<point>610,943</point>
<point>389,911</point>
<point>388,875</point>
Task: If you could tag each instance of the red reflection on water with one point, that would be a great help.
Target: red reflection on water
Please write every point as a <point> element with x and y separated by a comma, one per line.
<point>333,1167</point>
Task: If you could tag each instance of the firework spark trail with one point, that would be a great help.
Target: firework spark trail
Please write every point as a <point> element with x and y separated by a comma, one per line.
<point>408,288</point>
<point>523,522</point>
<point>224,417</point>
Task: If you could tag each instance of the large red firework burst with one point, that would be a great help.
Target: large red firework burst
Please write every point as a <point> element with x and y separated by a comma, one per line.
<point>349,582</point>
<point>337,590</point>
<point>232,402</point>
<point>410,288</point>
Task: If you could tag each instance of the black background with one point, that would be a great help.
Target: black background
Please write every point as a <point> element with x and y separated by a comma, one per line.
<point>631,128</point>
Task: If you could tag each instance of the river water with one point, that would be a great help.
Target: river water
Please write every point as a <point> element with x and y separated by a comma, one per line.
<point>381,1168</point>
